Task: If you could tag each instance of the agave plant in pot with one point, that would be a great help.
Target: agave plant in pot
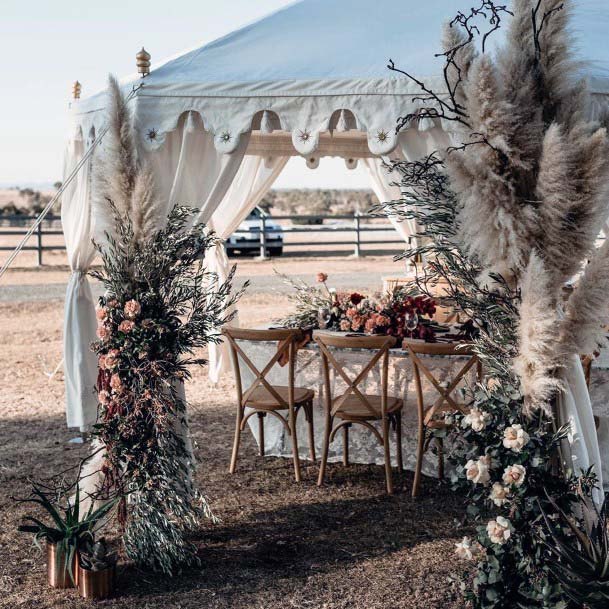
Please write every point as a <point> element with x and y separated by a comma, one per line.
<point>66,531</point>
<point>579,549</point>
<point>96,570</point>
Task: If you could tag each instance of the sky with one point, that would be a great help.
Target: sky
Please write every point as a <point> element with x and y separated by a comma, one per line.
<point>45,45</point>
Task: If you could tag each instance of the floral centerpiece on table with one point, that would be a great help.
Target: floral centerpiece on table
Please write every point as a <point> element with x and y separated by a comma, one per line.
<point>396,314</point>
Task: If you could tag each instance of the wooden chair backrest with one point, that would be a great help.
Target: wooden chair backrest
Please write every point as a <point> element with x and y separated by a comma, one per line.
<point>446,387</point>
<point>287,338</point>
<point>380,346</point>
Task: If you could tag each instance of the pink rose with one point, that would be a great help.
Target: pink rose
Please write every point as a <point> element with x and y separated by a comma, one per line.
<point>116,383</point>
<point>101,313</point>
<point>322,277</point>
<point>102,362</point>
<point>111,360</point>
<point>132,309</point>
<point>126,326</point>
<point>345,325</point>
<point>103,396</point>
<point>103,332</point>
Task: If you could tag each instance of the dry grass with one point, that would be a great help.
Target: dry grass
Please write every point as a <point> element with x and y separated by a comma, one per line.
<point>279,544</point>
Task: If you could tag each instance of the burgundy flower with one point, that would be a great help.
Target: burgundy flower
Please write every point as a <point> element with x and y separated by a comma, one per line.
<point>356,298</point>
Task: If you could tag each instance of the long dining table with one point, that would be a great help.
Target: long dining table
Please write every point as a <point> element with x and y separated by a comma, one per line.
<point>363,446</point>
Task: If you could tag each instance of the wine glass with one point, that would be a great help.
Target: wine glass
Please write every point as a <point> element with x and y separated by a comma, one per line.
<point>412,322</point>
<point>323,318</point>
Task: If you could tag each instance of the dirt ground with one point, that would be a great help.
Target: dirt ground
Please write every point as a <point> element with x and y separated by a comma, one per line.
<point>279,544</point>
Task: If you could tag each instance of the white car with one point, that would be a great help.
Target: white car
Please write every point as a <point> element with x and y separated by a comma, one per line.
<point>246,240</point>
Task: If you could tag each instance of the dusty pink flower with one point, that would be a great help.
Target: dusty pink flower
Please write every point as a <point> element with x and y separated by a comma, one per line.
<point>382,320</point>
<point>111,360</point>
<point>102,362</point>
<point>116,383</point>
<point>132,309</point>
<point>345,325</point>
<point>356,322</point>
<point>321,277</point>
<point>101,313</point>
<point>103,332</point>
<point>103,396</point>
<point>370,325</point>
<point>351,312</point>
<point>126,326</point>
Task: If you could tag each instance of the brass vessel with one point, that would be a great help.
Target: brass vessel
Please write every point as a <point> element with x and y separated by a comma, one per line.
<point>58,575</point>
<point>95,584</point>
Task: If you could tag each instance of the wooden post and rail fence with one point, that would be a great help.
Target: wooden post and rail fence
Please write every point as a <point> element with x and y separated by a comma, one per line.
<point>314,234</point>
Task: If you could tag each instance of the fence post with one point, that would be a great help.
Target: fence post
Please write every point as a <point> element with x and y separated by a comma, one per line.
<point>356,220</point>
<point>263,237</point>
<point>39,243</point>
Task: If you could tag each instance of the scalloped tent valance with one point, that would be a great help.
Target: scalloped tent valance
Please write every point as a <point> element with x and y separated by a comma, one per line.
<point>319,65</point>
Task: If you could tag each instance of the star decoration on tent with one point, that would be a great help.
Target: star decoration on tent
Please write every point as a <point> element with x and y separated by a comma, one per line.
<point>382,135</point>
<point>304,136</point>
<point>151,135</point>
<point>225,137</point>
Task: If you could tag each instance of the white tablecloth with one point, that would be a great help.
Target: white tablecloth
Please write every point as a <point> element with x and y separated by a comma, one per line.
<point>363,446</point>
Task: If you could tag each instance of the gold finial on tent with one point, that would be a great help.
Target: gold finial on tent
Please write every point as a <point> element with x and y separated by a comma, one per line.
<point>143,62</point>
<point>76,89</point>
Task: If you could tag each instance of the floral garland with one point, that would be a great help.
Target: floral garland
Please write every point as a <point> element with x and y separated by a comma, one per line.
<point>161,305</point>
<point>396,314</point>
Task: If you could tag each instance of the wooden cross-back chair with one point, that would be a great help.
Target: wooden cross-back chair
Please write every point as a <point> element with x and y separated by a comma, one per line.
<point>356,406</point>
<point>262,397</point>
<point>431,416</point>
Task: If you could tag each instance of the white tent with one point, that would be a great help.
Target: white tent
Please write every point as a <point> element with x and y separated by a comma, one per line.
<point>219,123</point>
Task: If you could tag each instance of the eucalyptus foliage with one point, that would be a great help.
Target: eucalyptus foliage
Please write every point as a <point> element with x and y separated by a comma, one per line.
<point>160,308</point>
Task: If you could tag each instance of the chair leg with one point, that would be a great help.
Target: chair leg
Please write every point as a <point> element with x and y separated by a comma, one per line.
<point>346,444</point>
<point>398,439</point>
<point>419,463</point>
<point>388,475</point>
<point>236,441</point>
<point>440,445</point>
<point>296,456</point>
<point>309,416</point>
<point>324,454</point>
<point>261,416</point>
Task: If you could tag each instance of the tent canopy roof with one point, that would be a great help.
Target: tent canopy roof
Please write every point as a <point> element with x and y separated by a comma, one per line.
<point>305,63</point>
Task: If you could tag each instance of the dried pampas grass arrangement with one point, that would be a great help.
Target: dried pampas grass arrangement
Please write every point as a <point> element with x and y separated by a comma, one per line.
<point>532,181</point>
<point>122,176</point>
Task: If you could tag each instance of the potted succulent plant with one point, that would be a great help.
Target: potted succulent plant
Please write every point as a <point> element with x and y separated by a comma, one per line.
<point>96,570</point>
<point>66,533</point>
<point>580,551</point>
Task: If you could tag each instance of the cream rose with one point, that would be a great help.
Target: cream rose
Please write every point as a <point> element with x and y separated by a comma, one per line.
<point>478,471</point>
<point>515,438</point>
<point>463,549</point>
<point>499,494</point>
<point>476,419</point>
<point>514,475</point>
<point>499,530</point>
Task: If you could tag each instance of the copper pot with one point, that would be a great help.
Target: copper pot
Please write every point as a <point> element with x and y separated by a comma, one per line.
<point>58,574</point>
<point>95,584</point>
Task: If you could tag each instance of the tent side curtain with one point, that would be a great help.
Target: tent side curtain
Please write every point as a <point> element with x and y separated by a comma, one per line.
<point>253,180</point>
<point>80,363</point>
